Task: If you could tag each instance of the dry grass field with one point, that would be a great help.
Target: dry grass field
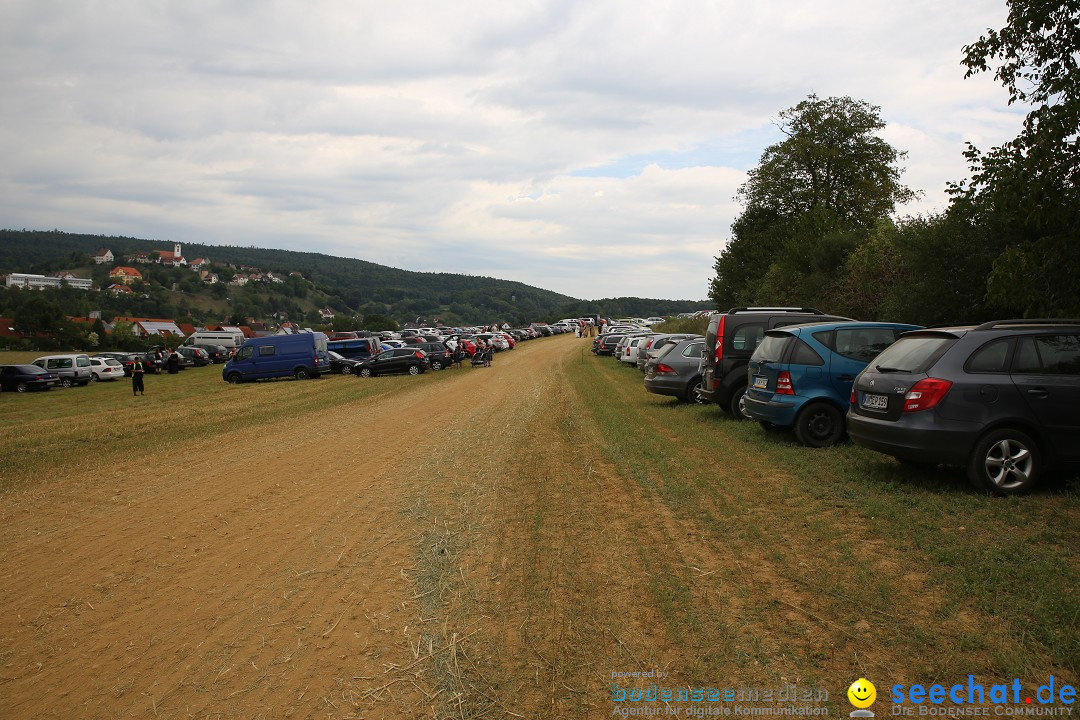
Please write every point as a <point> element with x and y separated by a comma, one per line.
<point>502,542</point>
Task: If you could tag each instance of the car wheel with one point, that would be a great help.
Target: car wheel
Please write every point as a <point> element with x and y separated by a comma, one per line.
<point>346,369</point>
<point>693,393</point>
<point>66,382</point>
<point>737,404</point>
<point>365,372</point>
<point>436,365</point>
<point>414,370</point>
<point>1005,461</point>
<point>21,387</point>
<point>94,378</point>
<point>301,373</point>
<point>235,378</point>
<point>819,425</point>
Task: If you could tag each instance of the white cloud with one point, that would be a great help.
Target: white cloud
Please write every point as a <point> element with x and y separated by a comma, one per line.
<point>590,148</point>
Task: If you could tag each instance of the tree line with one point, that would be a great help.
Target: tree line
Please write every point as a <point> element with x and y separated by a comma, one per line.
<point>817,226</point>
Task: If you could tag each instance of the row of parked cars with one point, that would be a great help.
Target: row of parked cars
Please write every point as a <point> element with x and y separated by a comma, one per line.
<point>1000,399</point>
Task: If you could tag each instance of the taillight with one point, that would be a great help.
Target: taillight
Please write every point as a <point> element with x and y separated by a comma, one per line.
<point>783,384</point>
<point>851,399</point>
<point>419,354</point>
<point>719,353</point>
<point>925,394</point>
<point>662,369</point>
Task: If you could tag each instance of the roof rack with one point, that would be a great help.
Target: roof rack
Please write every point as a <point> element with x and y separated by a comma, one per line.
<point>809,310</point>
<point>1026,321</point>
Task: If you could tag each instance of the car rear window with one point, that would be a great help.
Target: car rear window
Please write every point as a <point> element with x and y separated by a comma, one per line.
<point>772,348</point>
<point>913,354</point>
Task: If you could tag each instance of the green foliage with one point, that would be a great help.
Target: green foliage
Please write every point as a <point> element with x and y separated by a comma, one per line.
<point>814,198</point>
<point>1028,190</point>
<point>377,323</point>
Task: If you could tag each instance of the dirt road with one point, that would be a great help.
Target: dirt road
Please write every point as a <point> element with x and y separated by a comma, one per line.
<point>437,555</point>
<point>521,541</point>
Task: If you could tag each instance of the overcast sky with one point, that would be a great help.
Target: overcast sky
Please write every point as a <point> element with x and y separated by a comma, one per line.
<point>591,147</point>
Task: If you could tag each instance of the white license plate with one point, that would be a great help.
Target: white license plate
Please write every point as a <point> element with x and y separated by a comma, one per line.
<point>760,382</point>
<point>875,402</point>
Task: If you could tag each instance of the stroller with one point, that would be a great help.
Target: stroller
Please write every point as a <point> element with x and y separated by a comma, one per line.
<point>482,358</point>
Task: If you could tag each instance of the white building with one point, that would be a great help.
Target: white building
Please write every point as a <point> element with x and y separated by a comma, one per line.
<point>40,282</point>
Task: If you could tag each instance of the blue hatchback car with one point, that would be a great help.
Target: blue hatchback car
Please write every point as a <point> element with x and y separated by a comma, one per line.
<point>800,376</point>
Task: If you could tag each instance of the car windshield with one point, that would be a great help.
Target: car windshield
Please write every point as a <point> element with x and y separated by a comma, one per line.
<point>913,354</point>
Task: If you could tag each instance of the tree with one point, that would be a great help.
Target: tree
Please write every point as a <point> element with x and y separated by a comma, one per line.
<point>814,197</point>
<point>1027,191</point>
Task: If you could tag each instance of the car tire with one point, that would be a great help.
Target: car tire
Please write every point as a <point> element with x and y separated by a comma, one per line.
<point>436,365</point>
<point>414,370</point>
<point>693,393</point>
<point>819,425</point>
<point>22,387</point>
<point>66,382</point>
<point>301,373</point>
<point>365,372</point>
<point>1006,462</point>
<point>737,404</point>
<point>94,378</point>
<point>346,370</point>
<point>235,378</point>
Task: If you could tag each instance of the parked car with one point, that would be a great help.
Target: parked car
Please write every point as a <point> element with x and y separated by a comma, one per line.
<point>677,371</point>
<point>300,355</point>
<point>360,348</point>
<point>73,369</point>
<point>731,339</point>
<point>216,353</point>
<point>652,346</point>
<point>439,356</point>
<point>198,356</point>
<point>409,360</point>
<point>800,377</point>
<point>24,378</point>
<point>341,365</point>
<point>126,360</point>
<point>605,344</point>
<point>105,368</point>
<point>999,399</point>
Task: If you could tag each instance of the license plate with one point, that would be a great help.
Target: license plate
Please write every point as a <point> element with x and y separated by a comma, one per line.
<point>760,382</point>
<point>874,402</point>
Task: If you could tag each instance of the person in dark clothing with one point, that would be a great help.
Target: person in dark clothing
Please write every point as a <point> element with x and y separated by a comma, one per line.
<point>174,363</point>
<point>137,372</point>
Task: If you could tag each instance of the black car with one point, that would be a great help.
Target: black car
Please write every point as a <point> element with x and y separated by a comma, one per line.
<point>1001,399</point>
<point>216,353</point>
<point>197,356</point>
<point>399,360</point>
<point>731,339</point>
<point>22,378</point>
<point>438,355</point>
<point>341,365</point>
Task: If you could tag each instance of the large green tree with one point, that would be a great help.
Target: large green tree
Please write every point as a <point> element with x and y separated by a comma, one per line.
<point>1027,191</point>
<point>814,196</point>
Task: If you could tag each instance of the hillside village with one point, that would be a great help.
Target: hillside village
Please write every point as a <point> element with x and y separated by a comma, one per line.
<point>126,279</point>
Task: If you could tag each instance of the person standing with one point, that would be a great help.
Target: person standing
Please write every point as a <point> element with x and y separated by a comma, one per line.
<point>174,362</point>
<point>137,372</point>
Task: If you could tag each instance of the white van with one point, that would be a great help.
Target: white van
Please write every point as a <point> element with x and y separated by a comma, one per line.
<point>230,339</point>
<point>73,369</point>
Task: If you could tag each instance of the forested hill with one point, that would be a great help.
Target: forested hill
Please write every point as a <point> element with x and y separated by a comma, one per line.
<point>349,285</point>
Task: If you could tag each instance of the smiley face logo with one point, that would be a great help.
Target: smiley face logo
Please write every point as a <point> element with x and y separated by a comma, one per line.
<point>862,693</point>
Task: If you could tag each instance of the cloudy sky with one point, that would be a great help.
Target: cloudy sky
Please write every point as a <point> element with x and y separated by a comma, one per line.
<point>592,147</point>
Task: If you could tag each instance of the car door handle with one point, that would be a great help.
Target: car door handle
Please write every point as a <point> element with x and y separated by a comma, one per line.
<point>1039,392</point>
